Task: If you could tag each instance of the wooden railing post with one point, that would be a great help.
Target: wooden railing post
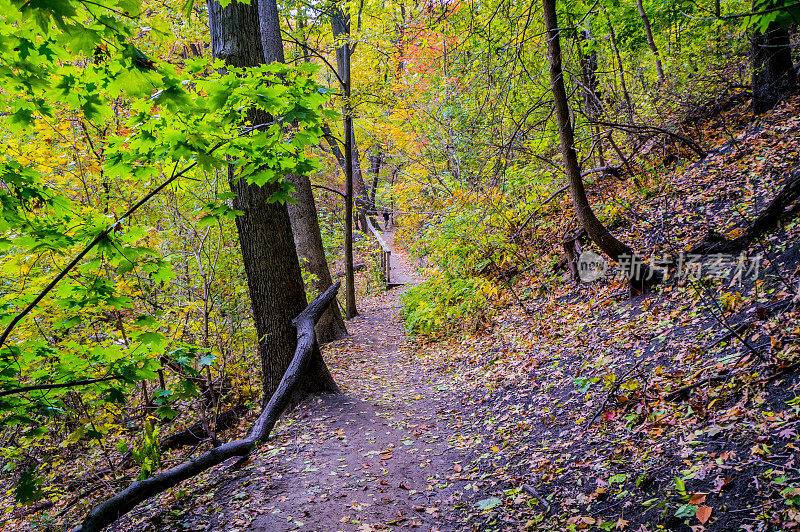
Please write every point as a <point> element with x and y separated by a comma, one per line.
<point>386,254</point>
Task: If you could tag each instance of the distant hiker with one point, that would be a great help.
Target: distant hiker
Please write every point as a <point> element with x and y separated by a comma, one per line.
<point>386,220</point>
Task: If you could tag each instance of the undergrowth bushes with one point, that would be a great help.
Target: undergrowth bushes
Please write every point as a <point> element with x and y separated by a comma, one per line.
<point>444,304</point>
<point>466,245</point>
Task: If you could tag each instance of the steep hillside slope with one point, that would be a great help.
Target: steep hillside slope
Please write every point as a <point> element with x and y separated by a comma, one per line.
<point>676,410</point>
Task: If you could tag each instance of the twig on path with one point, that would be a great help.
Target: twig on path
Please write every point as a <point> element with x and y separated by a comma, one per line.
<point>611,392</point>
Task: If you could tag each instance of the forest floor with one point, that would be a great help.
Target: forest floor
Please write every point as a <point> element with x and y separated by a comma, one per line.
<point>679,410</point>
<point>584,410</point>
<point>379,455</point>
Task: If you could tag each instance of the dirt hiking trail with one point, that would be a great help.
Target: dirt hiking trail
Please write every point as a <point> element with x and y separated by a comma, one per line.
<point>373,458</point>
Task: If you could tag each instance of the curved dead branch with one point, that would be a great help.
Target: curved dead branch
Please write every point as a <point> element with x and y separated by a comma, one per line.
<point>124,501</point>
<point>636,128</point>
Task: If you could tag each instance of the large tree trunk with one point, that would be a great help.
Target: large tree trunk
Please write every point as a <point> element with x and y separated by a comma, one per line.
<point>641,277</point>
<point>649,33</point>
<point>303,214</point>
<point>771,59</point>
<point>270,260</point>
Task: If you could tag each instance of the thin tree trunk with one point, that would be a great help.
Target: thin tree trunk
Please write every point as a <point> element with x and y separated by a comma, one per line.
<point>350,295</point>
<point>591,99</point>
<point>308,239</point>
<point>588,63</point>
<point>265,234</point>
<point>376,161</point>
<point>401,40</point>
<point>624,86</point>
<point>303,214</point>
<point>650,41</point>
<point>340,27</point>
<point>639,275</point>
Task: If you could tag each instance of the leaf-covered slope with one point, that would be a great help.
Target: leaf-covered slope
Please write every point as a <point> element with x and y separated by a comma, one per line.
<point>676,410</point>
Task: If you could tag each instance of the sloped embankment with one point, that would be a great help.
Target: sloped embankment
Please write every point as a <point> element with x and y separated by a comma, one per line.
<point>677,410</point>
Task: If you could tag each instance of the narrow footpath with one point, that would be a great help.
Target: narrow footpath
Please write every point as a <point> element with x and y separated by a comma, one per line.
<point>376,457</point>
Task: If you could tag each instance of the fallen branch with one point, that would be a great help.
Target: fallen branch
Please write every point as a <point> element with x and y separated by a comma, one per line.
<point>780,207</point>
<point>123,502</point>
<point>621,155</point>
<point>617,383</point>
<point>738,329</point>
<point>632,128</point>
<point>681,392</point>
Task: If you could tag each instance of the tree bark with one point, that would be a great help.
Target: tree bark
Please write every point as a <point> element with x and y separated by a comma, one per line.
<point>269,256</point>
<point>783,205</point>
<point>592,103</point>
<point>303,214</point>
<point>639,275</point>
<point>650,41</point>
<point>588,62</point>
<point>624,86</point>
<point>340,27</point>
<point>771,60</point>
<point>376,161</point>
<point>308,239</point>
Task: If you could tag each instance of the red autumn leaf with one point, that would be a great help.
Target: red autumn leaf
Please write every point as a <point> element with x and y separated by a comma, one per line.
<point>697,498</point>
<point>721,483</point>
<point>703,513</point>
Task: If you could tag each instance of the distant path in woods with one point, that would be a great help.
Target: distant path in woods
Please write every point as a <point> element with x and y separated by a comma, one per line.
<point>401,270</point>
<point>373,457</point>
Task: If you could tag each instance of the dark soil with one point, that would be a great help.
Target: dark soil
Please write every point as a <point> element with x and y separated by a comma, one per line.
<point>381,454</point>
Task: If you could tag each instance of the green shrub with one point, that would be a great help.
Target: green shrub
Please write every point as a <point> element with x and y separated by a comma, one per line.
<point>444,304</point>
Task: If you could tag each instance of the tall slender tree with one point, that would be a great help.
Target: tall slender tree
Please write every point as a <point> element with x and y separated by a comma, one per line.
<point>641,277</point>
<point>340,26</point>
<point>623,85</point>
<point>265,234</point>
<point>649,34</point>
